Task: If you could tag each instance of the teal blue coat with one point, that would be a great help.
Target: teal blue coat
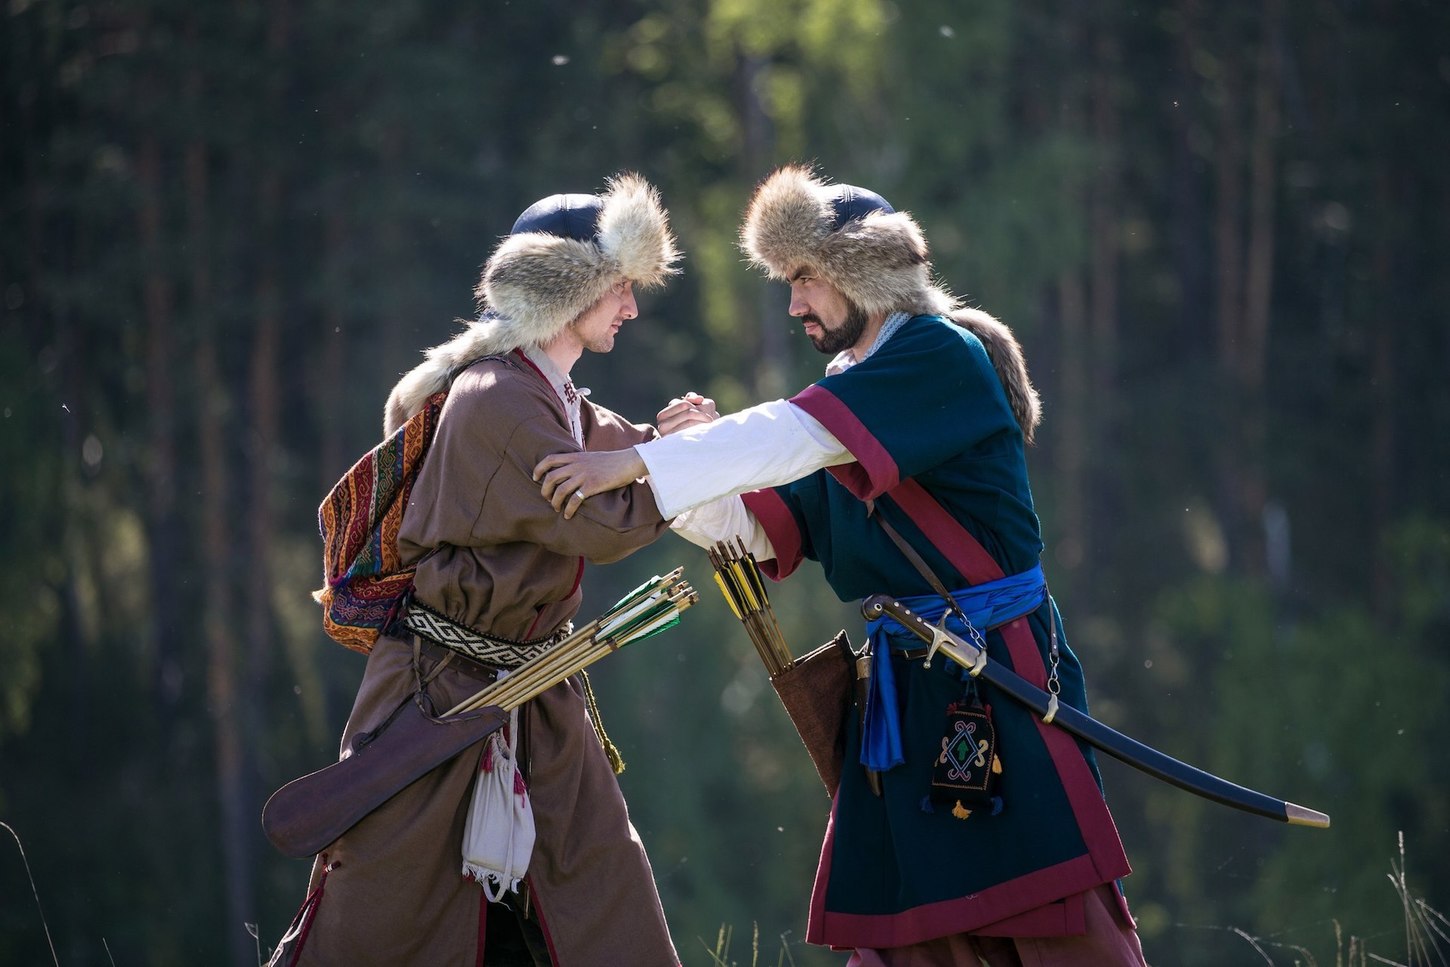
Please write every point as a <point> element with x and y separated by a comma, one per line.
<point>937,446</point>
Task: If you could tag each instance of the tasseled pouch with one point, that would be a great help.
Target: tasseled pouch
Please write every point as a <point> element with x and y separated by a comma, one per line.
<point>965,772</point>
<point>498,836</point>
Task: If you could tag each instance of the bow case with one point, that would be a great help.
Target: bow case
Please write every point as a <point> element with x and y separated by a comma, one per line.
<point>307,814</point>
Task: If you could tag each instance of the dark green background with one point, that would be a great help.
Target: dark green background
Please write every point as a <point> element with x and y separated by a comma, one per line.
<point>1218,229</point>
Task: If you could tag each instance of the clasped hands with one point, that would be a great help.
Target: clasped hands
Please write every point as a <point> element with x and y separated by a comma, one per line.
<point>569,479</point>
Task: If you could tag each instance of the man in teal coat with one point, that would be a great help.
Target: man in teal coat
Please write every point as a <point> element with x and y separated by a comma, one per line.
<point>916,434</point>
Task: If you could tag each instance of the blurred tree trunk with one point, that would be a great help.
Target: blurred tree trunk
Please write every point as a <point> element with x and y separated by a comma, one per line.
<point>1070,424</point>
<point>1104,216</point>
<point>76,533</point>
<point>51,333</point>
<point>217,586</point>
<point>1187,213</point>
<point>1244,233</point>
<point>772,373</point>
<point>1389,195</point>
<point>1087,304</point>
<point>1384,388</point>
<point>1228,264</point>
<point>1259,289</point>
<point>264,387</point>
<point>159,472</point>
<point>396,341</point>
<point>333,461</point>
<point>264,445</point>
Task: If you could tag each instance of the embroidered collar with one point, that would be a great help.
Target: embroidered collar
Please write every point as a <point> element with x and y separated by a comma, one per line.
<point>564,388</point>
<point>845,360</point>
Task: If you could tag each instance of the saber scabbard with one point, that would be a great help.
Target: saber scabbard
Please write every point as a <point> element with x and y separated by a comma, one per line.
<point>1121,747</point>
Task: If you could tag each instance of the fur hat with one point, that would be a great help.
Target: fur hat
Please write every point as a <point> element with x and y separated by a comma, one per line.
<point>850,237</point>
<point>875,256</point>
<point>561,256</point>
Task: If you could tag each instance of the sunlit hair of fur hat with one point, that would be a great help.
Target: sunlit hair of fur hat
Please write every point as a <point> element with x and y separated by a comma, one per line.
<point>535,284</point>
<point>878,261</point>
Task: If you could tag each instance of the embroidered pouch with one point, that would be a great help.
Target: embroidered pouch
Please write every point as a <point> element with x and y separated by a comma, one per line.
<point>964,774</point>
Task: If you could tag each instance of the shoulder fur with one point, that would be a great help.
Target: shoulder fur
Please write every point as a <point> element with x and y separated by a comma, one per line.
<point>489,336</point>
<point>1010,363</point>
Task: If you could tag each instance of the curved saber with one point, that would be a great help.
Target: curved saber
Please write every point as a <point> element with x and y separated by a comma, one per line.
<point>1094,733</point>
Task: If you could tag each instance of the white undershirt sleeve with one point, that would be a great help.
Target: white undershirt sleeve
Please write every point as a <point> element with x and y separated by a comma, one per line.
<point>724,520</point>
<point>763,446</point>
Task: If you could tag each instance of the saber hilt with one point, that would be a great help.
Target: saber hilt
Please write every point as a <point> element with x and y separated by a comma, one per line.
<point>1145,758</point>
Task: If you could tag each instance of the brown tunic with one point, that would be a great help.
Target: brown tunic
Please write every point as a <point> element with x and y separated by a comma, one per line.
<point>496,557</point>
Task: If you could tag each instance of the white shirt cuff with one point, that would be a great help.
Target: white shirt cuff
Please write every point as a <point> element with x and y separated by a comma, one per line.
<point>763,446</point>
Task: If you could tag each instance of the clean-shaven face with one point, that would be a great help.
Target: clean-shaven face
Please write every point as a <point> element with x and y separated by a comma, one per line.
<point>600,323</point>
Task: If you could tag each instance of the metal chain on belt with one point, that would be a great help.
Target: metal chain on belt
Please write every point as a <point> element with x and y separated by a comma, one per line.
<point>1054,686</point>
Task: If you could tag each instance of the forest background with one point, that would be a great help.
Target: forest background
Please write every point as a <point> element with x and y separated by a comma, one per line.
<point>1218,229</point>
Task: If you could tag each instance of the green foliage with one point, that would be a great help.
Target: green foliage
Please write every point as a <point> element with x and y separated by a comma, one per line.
<point>1331,712</point>
<point>179,180</point>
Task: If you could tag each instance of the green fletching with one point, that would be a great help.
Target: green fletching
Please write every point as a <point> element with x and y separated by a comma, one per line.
<point>644,588</point>
<point>635,619</point>
<point>663,623</point>
<point>645,591</point>
<point>646,611</point>
<point>632,615</point>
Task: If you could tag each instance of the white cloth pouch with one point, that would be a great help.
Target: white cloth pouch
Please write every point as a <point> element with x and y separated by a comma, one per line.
<point>498,836</point>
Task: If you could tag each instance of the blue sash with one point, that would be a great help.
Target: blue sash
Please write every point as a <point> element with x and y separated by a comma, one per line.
<point>985,605</point>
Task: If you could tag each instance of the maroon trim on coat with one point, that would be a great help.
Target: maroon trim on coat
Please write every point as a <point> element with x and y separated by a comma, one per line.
<point>1062,918</point>
<point>874,471</point>
<point>1123,910</point>
<point>308,913</point>
<point>578,578</point>
<point>959,547</point>
<point>965,553</point>
<point>1099,831</point>
<point>553,393</point>
<point>524,356</point>
<point>543,922</point>
<point>480,958</point>
<point>539,611</point>
<point>780,526</point>
<point>1026,900</point>
<point>817,912</point>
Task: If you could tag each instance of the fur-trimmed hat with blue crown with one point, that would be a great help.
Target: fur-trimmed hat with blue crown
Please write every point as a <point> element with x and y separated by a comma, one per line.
<point>561,256</point>
<point>875,256</point>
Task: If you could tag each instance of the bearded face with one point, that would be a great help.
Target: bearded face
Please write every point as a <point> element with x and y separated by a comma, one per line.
<point>844,335</point>
<point>832,322</point>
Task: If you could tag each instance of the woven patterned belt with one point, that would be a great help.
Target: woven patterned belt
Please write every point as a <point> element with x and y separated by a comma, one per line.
<point>498,652</point>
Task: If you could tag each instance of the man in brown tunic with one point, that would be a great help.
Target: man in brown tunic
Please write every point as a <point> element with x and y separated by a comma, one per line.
<point>500,570</point>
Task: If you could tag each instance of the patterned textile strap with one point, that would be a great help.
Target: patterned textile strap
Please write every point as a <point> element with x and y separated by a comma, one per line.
<point>365,578</point>
<point>498,652</point>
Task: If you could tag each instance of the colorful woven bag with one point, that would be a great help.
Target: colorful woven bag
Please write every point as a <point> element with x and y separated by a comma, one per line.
<point>359,520</point>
